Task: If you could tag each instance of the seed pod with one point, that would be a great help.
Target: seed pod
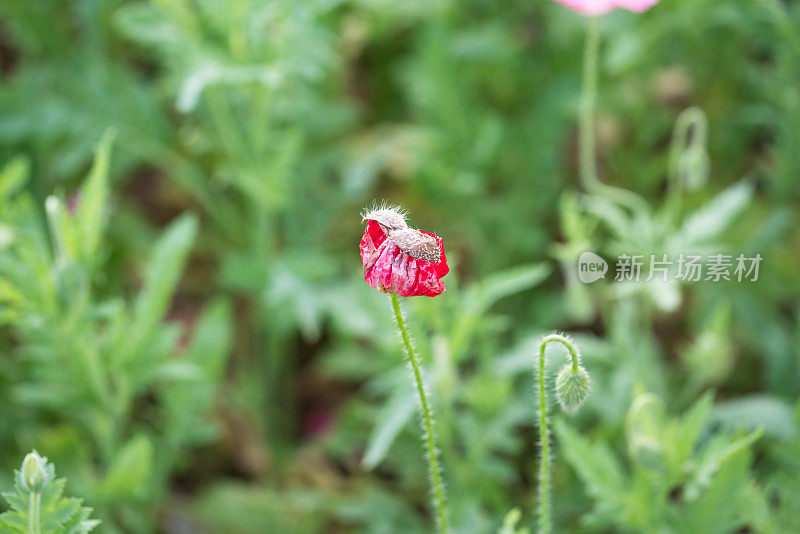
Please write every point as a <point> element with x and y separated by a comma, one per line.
<point>416,244</point>
<point>390,217</point>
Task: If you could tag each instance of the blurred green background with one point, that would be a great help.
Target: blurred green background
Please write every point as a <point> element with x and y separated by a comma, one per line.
<point>185,330</point>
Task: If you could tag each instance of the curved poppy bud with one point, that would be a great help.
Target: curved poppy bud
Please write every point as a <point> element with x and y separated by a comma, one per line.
<point>399,259</point>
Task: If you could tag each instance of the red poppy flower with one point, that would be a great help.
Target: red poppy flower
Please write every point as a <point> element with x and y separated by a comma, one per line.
<point>401,260</point>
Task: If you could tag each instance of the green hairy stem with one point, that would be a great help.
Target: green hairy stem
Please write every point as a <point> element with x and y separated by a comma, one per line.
<point>429,437</point>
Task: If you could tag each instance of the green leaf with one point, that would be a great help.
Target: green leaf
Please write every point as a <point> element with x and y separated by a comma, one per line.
<point>212,339</point>
<point>684,434</point>
<point>712,457</point>
<point>93,207</point>
<point>482,296</point>
<point>176,370</point>
<point>716,494</point>
<point>162,275</point>
<point>391,420</point>
<point>711,219</point>
<point>13,177</point>
<point>767,412</point>
<point>644,427</point>
<point>62,230</point>
<point>494,287</point>
<point>187,403</point>
<point>510,523</point>
<point>595,464</point>
<point>130,471</point>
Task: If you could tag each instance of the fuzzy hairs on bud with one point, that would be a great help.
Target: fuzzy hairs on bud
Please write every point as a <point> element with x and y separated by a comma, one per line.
<point>390,216</point>
<point>572,388</point>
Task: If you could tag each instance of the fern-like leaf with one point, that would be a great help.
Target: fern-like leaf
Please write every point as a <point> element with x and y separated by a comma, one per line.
<point>38,504</point>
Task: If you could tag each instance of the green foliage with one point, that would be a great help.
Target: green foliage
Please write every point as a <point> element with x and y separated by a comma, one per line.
<point>183,325</point>
<point>40,507</point>
<point>677,478</point>
<point>90,360</point>
<point>510,523</point>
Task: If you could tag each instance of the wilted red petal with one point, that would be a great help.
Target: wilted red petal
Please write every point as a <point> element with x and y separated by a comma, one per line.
<point>390,270</point>
<point>440,266</point>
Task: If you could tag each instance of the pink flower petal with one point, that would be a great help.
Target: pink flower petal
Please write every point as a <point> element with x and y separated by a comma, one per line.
<point>390,270</point>
<point>601,7</point>
<point>637,6</point>
<point>589,7</point>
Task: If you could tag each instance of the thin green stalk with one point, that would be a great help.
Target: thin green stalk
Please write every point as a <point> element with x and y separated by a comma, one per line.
<point>587,151</point>
<point>34,521</point>
<point>574,370</point>
<point>691,121</point>
<point>544,461</point>
<point>588,162</point>
<point>427,422</point>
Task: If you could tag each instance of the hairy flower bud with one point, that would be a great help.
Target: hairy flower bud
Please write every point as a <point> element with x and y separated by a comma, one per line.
<point>390,217</point>
<point>33,475</point>
<point>572,388</point>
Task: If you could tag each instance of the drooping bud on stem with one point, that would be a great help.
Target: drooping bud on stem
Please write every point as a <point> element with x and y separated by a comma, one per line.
<point>572,387</point>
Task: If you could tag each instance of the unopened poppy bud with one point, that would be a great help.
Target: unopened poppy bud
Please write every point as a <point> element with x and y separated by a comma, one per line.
<point>33,475</point>
<point>572,387</point>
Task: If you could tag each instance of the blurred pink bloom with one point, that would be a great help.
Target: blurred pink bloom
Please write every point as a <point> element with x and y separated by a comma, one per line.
<point>599,7</point>
<point>637,6</point>
<point>319,422</point>
<point>73,202</point>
